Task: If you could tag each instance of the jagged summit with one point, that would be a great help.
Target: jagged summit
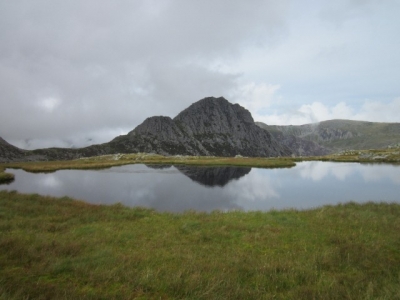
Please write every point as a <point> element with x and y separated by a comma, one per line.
<point>211,126</point>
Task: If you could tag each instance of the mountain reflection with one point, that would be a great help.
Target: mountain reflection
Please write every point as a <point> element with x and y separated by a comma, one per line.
<point>208,176</point>
<point>213,176</point>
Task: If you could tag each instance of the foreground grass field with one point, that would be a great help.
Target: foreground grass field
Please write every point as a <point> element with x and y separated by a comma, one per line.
<point>64,249</point>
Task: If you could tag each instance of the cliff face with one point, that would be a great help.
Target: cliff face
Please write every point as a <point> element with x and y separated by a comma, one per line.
<point>211,126</point>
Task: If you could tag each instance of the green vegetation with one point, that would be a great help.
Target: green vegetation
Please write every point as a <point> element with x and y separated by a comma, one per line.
<point>100,162</point>
<point>65,249</point>
<point>344,134</point>
<point>390,155</point>
<point>5,177</point>
<point>106,161</point>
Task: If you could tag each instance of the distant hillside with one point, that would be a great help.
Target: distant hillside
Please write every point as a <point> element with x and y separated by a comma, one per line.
<point>337,135</point>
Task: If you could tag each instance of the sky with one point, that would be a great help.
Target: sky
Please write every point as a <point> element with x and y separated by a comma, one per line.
<point>75,73</point>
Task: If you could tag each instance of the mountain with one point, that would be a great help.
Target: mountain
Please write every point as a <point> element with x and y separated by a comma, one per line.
<point>299,146</point>
<point>9,152</point>
<point>338,135</point>
<point>209,127</point>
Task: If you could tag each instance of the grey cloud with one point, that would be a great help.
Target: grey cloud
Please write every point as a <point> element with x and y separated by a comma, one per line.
<point>74,70</point>
<point>67,67</point>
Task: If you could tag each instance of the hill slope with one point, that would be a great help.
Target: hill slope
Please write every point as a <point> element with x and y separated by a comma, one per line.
<point>338,135</point>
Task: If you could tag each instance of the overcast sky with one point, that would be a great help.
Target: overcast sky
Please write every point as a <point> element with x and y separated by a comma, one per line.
<point>73,73</point>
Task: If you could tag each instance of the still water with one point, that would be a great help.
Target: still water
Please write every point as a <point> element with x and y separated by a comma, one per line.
<point>180,188</point>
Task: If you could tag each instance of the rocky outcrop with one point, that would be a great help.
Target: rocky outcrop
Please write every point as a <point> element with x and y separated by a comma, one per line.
<point>209,127</point>
<point>9,152</point>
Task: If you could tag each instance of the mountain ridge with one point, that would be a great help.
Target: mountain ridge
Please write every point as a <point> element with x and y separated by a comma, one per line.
<point>215,127</point>
<point>340,134</point>
<point>209,127</point>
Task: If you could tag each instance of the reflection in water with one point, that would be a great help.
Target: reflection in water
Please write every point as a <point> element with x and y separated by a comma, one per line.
<point>207,176</point>
<point>168,188</point>
<point>213,176</point>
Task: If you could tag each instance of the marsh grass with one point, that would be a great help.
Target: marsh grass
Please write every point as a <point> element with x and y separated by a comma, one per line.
<point>391,156</point>
<point>64,249</point>
<point>107,161</point>
<point>5,177</point>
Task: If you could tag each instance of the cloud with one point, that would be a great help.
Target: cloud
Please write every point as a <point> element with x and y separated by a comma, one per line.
<point>49,104</point>
<point>373,111</point>
<point>68,67</point>
<point>74,71</point>
<point>256,97</point>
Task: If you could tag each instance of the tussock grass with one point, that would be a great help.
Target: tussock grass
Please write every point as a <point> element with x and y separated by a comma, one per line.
<point>390,155</point>
<point>107,161</point>
<point>5,177</point>
<point>64,249</point>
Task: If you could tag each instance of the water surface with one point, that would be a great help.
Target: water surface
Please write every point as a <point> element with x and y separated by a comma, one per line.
<point>176,189</point>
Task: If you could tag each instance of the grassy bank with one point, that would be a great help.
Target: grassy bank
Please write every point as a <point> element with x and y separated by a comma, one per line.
<point>5,177</point>
<point>64,249</point>
<point>391,156</point>
<point>107,161</point>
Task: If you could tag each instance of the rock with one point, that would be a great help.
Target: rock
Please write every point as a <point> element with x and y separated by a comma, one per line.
<point>209,127</point>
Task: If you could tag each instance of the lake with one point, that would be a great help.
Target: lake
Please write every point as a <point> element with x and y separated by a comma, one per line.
<point>181,188</point>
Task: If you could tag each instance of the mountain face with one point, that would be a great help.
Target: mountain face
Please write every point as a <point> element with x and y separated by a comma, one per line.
<point>215,127</point>
<point>337,135</point>
<point>8,152</point>
<point>209,127</point>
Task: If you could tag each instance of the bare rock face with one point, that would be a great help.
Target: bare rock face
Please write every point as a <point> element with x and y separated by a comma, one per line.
<point>211,126</point>
<point>8,152</point>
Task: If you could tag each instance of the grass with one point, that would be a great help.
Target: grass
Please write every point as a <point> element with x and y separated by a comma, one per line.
<point>391,156</point>
<point>65,249</point>
<point>107,161</point>
<point>5,177</point>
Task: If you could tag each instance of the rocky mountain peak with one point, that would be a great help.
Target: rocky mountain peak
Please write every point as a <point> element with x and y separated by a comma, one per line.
<point>210,126</point>
<point>214,116</point>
